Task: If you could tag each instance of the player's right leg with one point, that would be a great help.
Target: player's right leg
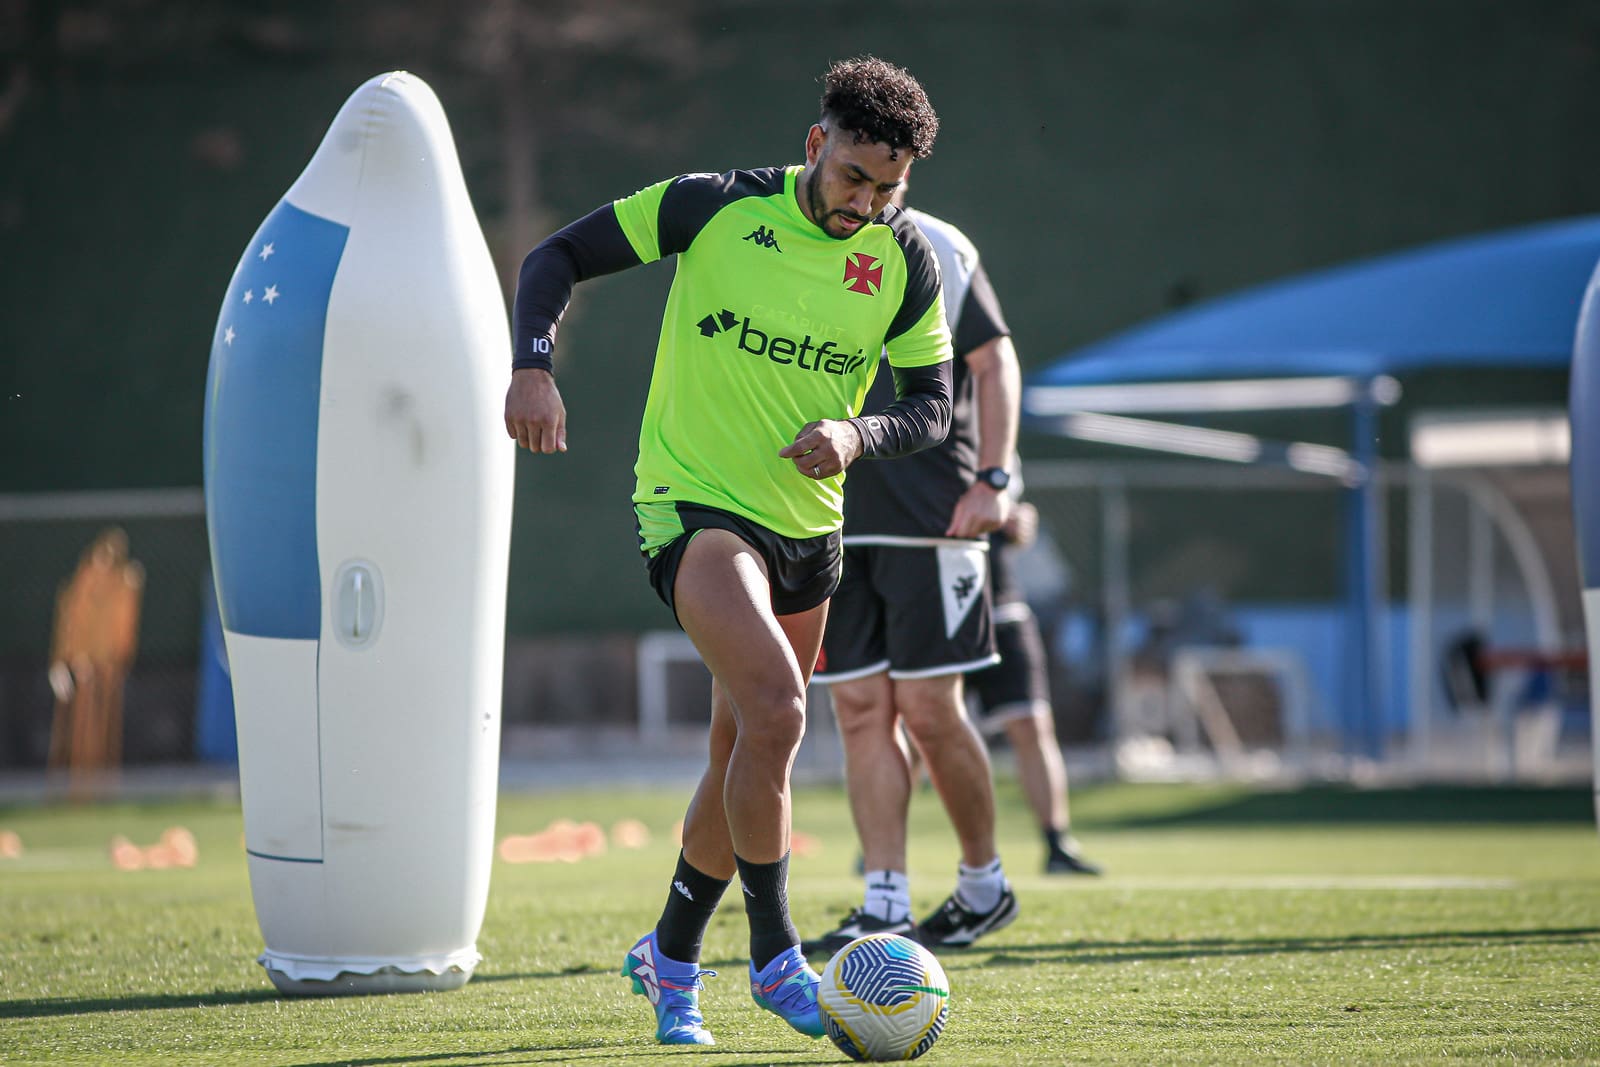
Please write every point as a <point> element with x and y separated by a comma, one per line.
<point>664,964</point>
<point>673,989</point>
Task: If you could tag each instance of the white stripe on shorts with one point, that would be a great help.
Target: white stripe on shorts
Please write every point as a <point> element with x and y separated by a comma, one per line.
<point>949,668</point>
<point>850,676</point>
<point>893,541</point>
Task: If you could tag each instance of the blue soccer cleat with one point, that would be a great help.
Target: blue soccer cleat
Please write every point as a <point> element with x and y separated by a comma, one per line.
<point>673,990</point>
<point>787,987</point>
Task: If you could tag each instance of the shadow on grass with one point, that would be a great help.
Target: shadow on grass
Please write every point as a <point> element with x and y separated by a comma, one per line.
<point>556,1054</point>
<point>1103,952</point>
<point>43,1007</point>
<point>530,1053</point>
<point>1346,804</point>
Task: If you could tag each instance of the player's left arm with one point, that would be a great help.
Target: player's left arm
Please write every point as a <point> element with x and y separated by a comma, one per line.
<point>918,418</point>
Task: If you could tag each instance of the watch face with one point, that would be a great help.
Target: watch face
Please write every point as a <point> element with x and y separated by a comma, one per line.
<point>994,477</point>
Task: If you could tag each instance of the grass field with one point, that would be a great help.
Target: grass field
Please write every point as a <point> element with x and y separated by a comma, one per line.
<point>1235,926</point>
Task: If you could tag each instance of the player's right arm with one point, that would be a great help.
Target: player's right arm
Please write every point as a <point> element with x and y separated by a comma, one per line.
<point>657,221</point>
<point>535,416</point>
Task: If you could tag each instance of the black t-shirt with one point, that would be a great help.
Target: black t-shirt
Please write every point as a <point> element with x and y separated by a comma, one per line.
<point>913,496</point>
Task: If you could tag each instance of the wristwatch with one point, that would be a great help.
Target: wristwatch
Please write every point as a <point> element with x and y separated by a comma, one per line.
<point>996,478</point>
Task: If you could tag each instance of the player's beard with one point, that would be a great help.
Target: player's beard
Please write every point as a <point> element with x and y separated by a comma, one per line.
<point>819,209</point>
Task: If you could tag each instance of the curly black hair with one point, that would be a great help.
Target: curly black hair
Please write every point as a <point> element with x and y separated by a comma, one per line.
<point>878,101</point>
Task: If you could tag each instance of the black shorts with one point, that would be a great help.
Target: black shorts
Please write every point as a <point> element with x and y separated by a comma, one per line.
<point>1019,685</point>
<point>803,572</point>
<point>916,611</point>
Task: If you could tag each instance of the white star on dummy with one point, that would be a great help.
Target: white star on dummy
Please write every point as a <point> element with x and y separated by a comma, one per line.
<point>228,335</point>
<point>270,294</point>
<point>249,295</point>
<point>266,251</point>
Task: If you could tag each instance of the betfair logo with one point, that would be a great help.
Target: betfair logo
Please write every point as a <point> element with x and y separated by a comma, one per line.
<point>712,325</point>
<point>804,353</point>
<point>765,238</point>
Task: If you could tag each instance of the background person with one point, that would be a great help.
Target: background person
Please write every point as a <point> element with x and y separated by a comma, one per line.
<point>912,615</point>
<point>92,649</point>
<point>1013,695</point>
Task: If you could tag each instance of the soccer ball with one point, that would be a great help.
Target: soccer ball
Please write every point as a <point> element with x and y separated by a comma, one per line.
<point>884,997</point>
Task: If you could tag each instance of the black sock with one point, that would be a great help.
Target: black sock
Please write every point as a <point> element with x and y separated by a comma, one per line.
<point>690,904</point>
<point>766,904</point>
<point>1052,840</point>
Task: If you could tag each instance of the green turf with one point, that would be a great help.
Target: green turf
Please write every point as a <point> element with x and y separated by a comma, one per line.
<point>1236,926</point>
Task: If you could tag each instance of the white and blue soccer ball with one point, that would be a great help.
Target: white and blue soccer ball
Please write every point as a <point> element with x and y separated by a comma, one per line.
<point>884,997</point>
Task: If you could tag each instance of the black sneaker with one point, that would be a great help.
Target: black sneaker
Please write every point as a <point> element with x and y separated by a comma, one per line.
<point>857,924</point>
<point>955,925</point>
<point>1067,861</point>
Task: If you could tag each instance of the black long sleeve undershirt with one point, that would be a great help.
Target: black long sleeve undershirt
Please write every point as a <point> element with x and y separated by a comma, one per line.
<point>919,417</point>
<point>591,246</point>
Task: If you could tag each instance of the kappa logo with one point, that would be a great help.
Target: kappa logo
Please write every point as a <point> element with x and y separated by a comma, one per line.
<point>961,577</point>
<point>764,238</point>
<point>862,274</point>
<point>803,353</point>
<point>677,883</point>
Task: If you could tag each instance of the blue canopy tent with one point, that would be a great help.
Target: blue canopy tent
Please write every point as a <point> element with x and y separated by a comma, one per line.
<point>1333,338</point>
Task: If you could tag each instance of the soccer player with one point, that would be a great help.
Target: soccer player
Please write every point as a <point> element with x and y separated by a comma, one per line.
<point>912,615</point>
<point>790,282</point>
<point>1013,695</point>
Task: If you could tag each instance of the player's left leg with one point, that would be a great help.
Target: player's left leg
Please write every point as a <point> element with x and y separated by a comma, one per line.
<point>664,964</point>
<point>785,985</point>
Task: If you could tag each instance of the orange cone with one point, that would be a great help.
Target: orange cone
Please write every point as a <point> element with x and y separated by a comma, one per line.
<point>630,833</point>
